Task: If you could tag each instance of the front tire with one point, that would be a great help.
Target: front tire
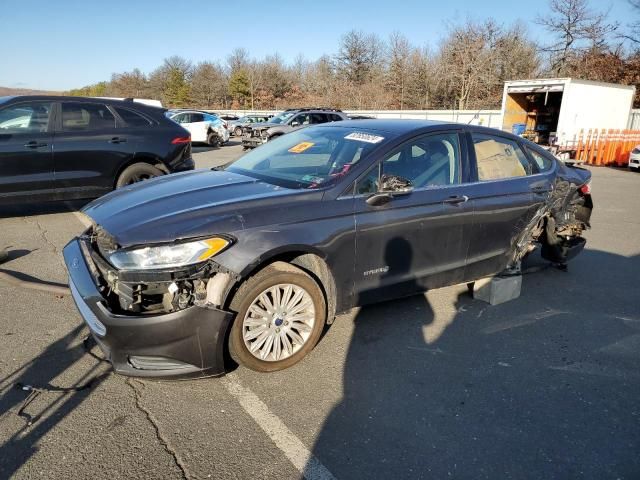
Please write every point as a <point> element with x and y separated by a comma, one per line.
<point>137,173</point>
<point>281,315</point>
<point>237,132</point>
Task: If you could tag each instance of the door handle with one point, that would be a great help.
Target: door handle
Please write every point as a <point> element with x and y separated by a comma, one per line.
<point>118,140</point>
<point>539,189</point>
<point>456,199</point>
<point>34,144</point>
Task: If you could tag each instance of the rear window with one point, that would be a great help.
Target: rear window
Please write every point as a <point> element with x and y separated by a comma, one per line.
<point>499,157</point>
<point>131,118</point>
<point>543,163</point>
<point>78,117</point>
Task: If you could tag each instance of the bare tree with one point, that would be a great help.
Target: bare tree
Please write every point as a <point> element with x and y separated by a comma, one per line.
<point>208,85</point>
<point>398,68</point>
<point>575,27</point>
<point>132,84</point>
<point>359,56</point>
<point>238,59</point>
<point>633,32</point>
<point>255,78</point>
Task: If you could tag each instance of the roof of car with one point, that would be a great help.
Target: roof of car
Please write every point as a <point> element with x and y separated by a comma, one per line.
<point>396,126</point>
<point>110,101</point>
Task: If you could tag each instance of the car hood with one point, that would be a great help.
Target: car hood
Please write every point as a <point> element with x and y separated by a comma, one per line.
<point>265,125</point>
<point>183,205</point>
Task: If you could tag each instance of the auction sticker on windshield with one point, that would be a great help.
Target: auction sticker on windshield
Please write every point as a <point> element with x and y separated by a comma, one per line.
<point>301,147</point>
<point>364,137</point>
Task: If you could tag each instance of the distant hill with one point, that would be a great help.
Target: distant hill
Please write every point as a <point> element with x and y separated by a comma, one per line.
<point>5,91</point>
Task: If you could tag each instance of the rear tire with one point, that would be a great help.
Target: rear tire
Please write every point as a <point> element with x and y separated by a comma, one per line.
<point>212,139</point>
<point>237,132</point>
<point>287,337</point>
<point>137,172</point>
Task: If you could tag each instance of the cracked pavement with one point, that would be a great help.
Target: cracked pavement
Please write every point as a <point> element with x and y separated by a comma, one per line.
<point>431,386</point>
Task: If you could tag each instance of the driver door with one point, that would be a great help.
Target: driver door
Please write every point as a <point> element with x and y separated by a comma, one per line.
<point>26,149</point>
<point>416,239</point>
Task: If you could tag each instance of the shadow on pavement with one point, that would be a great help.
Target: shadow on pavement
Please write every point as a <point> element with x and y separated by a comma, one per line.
<point>41,208</point>
<point>203,147</point>
<point>29,394</point>
<point>545,386</point>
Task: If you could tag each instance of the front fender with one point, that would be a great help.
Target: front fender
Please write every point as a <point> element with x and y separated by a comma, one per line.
<point>331,238</point>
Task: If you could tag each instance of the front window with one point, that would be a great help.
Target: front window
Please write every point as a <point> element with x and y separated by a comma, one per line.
<point>426,162</point>
<point>313,157</point>
<point>25,118</point>
<point>281,118</point>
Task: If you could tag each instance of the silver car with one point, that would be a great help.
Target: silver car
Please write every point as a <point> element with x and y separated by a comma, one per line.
<point>236,126</point>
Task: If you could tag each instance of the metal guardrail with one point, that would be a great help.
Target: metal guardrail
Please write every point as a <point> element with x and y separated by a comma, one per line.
<point>634,120</point>
<point>487,118</point>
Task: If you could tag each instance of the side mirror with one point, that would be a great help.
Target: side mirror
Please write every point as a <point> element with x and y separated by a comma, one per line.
<point>295,123</point>
<point>379,199</point>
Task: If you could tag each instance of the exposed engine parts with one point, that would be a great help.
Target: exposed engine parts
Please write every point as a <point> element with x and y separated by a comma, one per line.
<point>156,292</point>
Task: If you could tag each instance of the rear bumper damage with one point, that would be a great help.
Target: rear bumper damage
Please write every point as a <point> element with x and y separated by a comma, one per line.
<point>188,342</point>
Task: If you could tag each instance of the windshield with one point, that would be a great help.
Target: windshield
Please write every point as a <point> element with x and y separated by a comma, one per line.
<point>313,157</point>
<point>281,117</point>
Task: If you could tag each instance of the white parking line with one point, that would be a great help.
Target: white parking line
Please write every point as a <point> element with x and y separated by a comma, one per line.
<point>301,458</point>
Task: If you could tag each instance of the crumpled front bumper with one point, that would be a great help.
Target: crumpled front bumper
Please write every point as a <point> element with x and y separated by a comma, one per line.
<point>188,343</point>
<point>250,140</point>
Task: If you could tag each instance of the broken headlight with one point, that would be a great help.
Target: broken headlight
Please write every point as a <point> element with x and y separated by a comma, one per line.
<point>168,256</point>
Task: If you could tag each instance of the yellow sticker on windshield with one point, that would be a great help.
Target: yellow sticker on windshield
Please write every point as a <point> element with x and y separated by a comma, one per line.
<point>301,147</point>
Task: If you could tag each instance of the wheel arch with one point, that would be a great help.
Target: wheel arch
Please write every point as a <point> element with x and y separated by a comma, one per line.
<point>148,159</point>
<point>308,259</point>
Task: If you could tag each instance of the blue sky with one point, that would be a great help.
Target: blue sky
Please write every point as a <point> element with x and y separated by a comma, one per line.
<point>68,43</point>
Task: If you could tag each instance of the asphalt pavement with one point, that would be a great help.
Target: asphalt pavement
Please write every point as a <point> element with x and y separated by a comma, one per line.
<point>432,386</point>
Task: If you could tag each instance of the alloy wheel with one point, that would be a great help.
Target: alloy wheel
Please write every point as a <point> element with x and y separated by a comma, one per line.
<point>278,322</point>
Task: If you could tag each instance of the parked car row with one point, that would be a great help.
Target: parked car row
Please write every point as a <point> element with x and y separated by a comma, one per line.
<point>236,126</point>
<point>290,120</point>
<point>70,147</point>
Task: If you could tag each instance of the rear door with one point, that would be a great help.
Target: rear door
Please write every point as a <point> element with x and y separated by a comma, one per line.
<point>89,149</point>
<point>508,192</point>
<point>194,122</point>
<point>319,118</point>
<point>26,149</point>
<point>418,240</point>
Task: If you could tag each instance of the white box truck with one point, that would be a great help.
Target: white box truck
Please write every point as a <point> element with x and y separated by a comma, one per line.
<point>553,111</point>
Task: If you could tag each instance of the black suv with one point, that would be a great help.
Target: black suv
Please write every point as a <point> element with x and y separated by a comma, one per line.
<point>55,148</point>
<point>288,121</point>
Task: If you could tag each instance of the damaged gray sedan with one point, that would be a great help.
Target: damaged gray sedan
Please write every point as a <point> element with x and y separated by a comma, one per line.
<point>179,273</point>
